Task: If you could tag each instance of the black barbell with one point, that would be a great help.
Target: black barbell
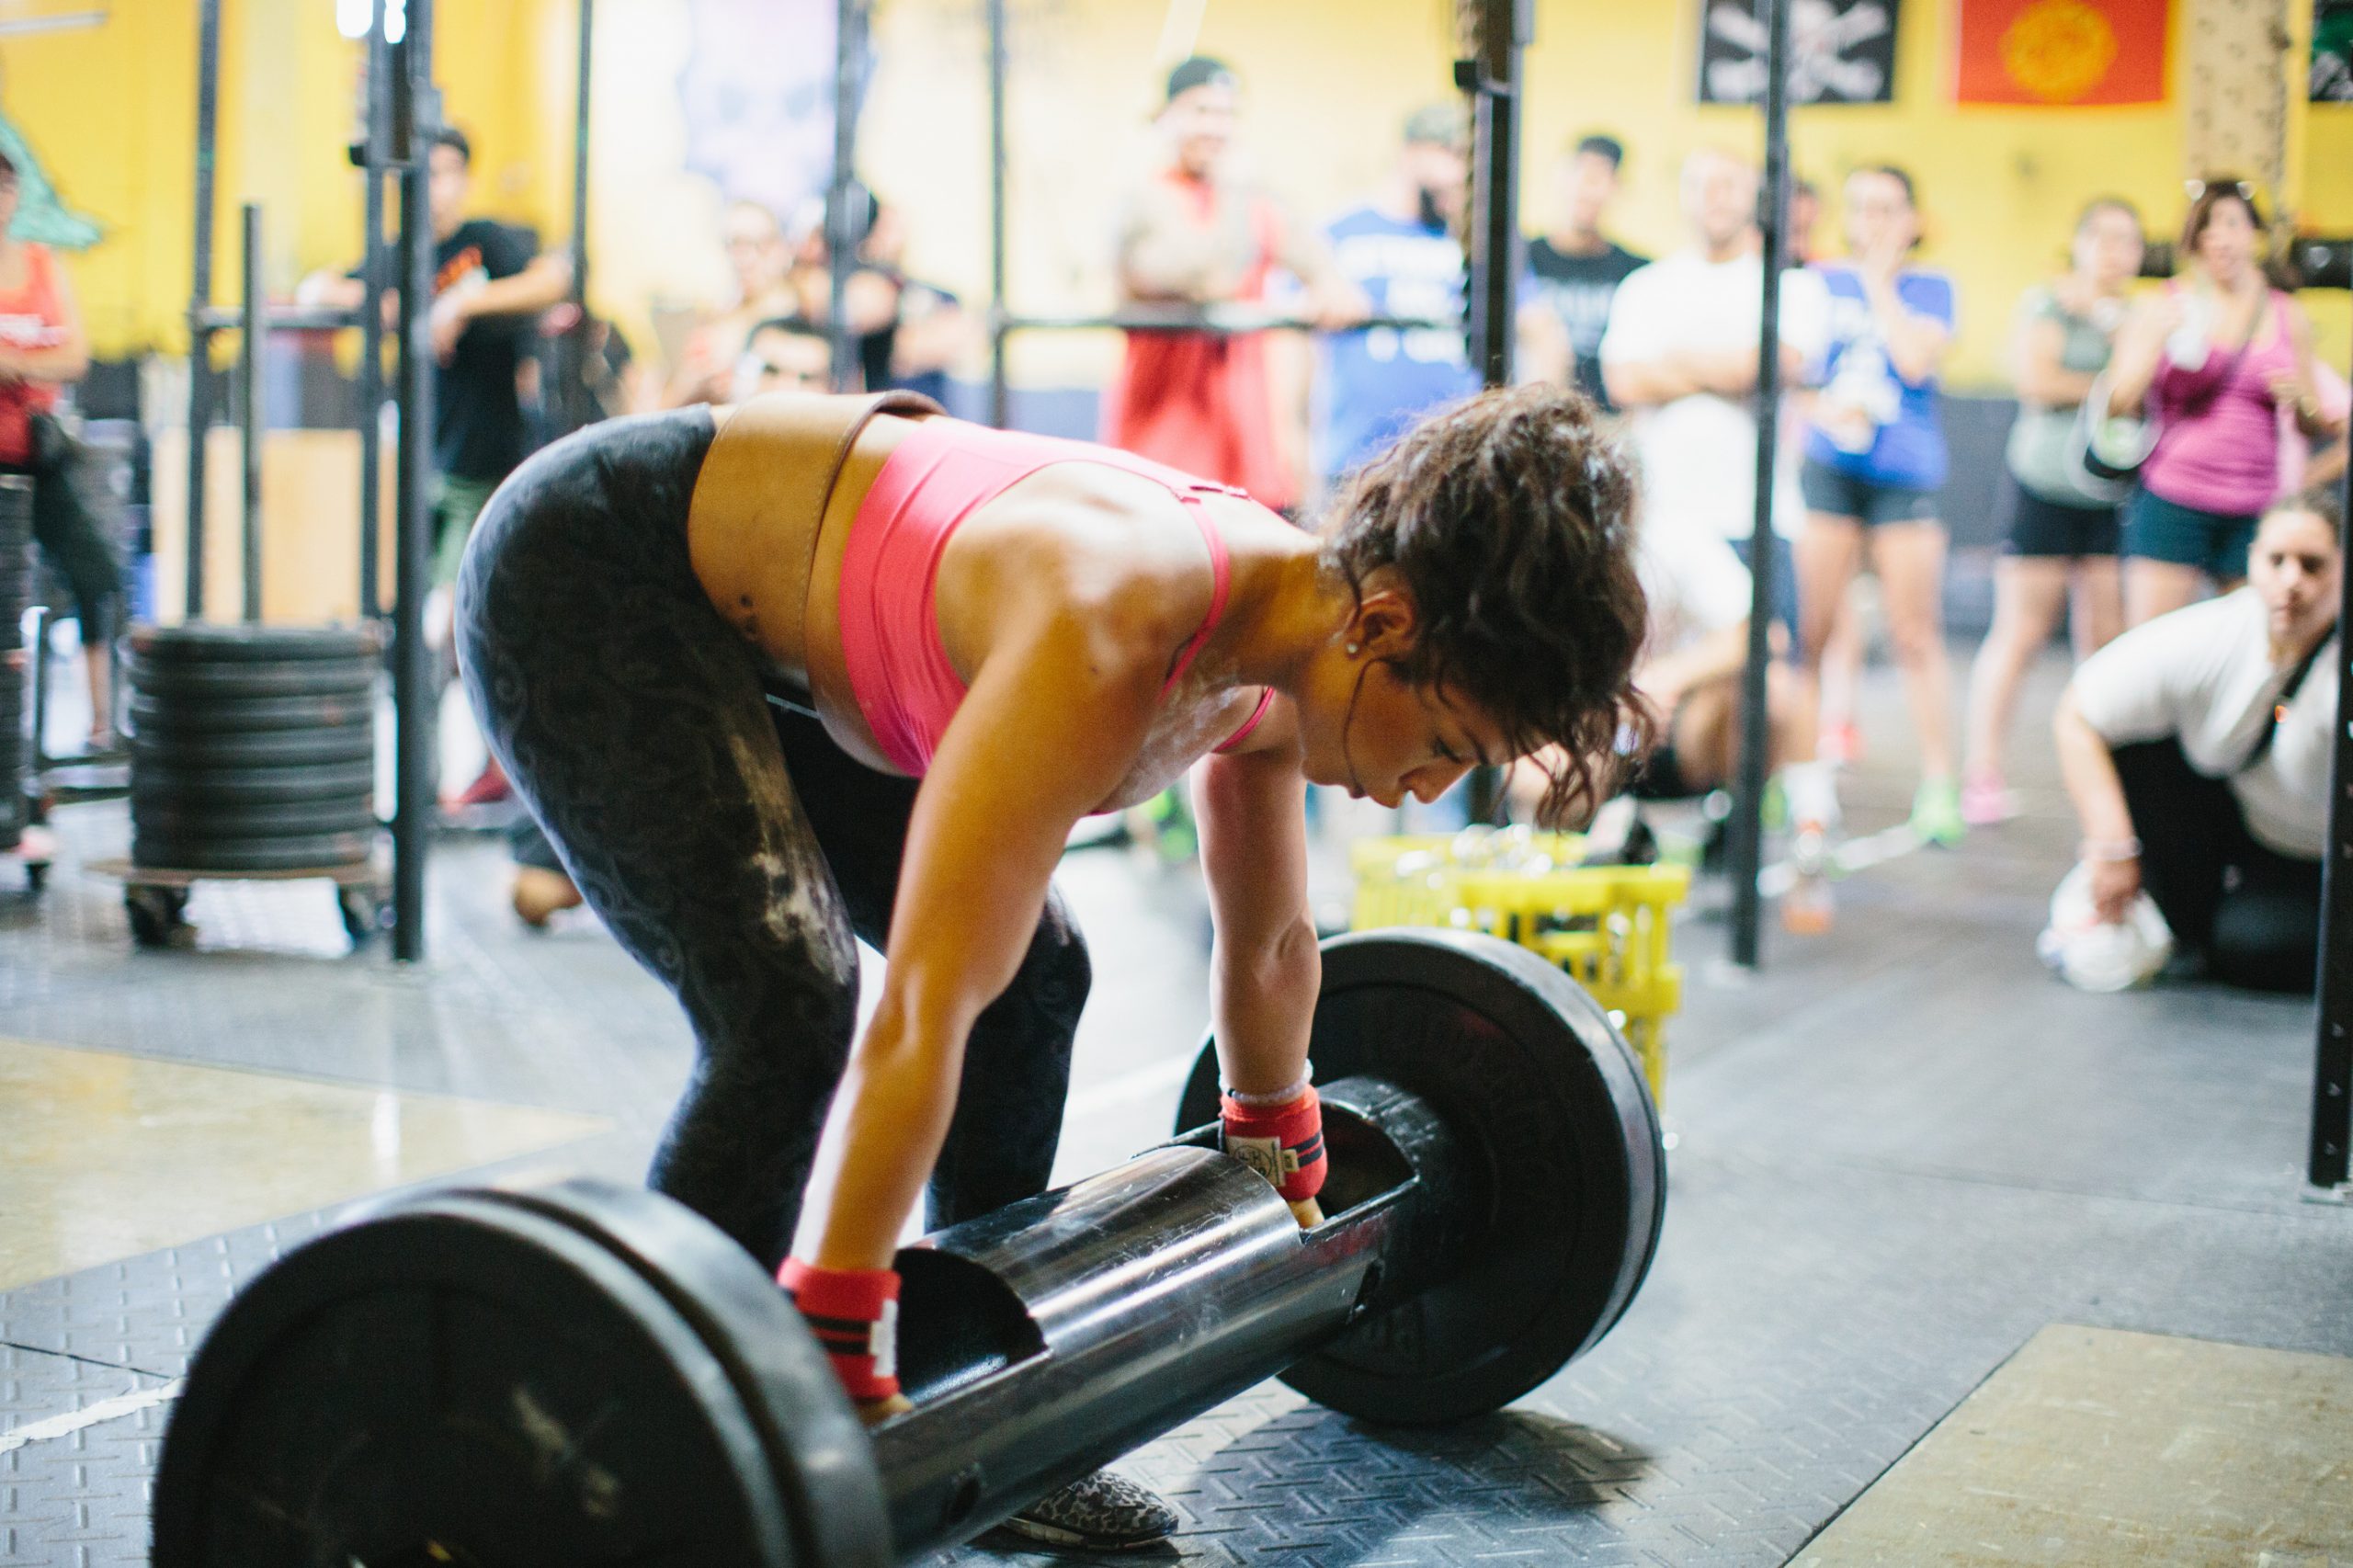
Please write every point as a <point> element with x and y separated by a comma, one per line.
<point>584,1373</point>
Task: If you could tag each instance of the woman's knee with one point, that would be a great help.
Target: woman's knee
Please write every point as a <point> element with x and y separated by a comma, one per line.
<point>1057,973</point>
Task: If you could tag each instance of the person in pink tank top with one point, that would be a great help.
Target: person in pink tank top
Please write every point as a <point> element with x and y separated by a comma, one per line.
<point>2214,359</point>
<point>42,351</point>
<point>846,669</point>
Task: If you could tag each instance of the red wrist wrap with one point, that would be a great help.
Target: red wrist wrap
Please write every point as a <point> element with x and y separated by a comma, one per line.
<point>1284,1143</point>
<point>854,1312</point>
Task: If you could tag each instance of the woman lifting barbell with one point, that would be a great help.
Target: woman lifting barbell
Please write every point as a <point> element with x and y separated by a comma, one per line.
<point>825,667</point>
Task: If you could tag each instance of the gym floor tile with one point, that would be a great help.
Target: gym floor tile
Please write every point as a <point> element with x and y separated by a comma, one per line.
<point>109,1156</point>
<point>2092,1447</point>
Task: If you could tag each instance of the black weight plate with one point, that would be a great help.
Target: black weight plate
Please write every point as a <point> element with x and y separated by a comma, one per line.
<point>256,786</point>
<point>1526,1070</point>
<point>167,819</point>
<point>203,643</point>
<point>270,748</point>
<point>245,715</point>
<point>291,852</point>
<point>817,1449</point>
<point>460,1382</point>
<point>274,678</point>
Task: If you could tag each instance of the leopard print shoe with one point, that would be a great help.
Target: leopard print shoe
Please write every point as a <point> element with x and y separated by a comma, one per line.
<point>1102,1512</point>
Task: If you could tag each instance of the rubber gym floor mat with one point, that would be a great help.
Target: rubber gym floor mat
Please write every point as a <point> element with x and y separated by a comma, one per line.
<point>2093,1448</point>
<point>110,1155</point>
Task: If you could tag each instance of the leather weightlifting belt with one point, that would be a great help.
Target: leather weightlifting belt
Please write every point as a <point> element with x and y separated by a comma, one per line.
<point>748,483</point>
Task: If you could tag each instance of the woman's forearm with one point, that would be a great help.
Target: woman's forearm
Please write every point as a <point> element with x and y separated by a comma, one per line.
<point>889,1120</point>
<point>2089,770</point>
<point>1916,345</point>
<point>1262,1004</point>
<point>65,362</point>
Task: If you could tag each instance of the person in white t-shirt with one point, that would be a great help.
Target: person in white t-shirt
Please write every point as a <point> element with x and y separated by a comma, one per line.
<point>1681,356</point>
<point>2197,748</point>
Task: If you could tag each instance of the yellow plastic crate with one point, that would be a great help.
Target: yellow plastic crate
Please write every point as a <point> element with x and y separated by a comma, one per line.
<point>1608,927</point>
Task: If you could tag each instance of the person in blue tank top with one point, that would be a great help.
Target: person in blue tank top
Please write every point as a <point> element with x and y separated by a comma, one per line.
<point>1401,251</point>
<point>1874,462</point>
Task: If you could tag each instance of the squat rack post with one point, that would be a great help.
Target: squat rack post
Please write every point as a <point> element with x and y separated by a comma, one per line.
<point>1499,30</point>
<point>569,401</point>
<point>251,344</point>
<point>1000,387</point>
<point>1747,826</point>
<point>841,237</point>
<point>200,333</point>
<point>373,155</point>
<point>1492,34</point>
<point>2333,1065</point>
<point>416,114</point>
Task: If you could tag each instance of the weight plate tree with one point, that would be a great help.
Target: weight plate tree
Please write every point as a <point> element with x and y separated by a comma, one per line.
<point>583,1373</point>
<point>253,747</point>
<point>15,668</point>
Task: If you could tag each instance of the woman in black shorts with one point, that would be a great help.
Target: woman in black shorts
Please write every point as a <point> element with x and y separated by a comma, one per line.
<point>2060,551</point>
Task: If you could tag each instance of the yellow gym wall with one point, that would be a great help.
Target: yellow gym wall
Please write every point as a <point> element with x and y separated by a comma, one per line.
<point>111,111</point>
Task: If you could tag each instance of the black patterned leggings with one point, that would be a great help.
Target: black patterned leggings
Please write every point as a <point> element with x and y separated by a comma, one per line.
<point>729,844</point>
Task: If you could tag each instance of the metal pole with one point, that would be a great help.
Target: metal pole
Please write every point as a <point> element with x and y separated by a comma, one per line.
<point>411,683</point>
<point>1503,28</point>
<point>199,343</point>
<point>374,258</point>
<point>850,42</point>
<point>1000,386</point>
<point>572,401</point>
<point>253,335</point>
<point>1747,843</point>
<point>2333,1067</point>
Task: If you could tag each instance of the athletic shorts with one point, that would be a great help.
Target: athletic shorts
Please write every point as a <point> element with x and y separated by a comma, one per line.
<point>1785,580</point>
<point>2214,542</point>
<point>1847,495</point>
<point>2041,527</point>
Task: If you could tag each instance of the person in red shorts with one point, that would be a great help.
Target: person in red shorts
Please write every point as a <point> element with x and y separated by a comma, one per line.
<point>1197,233</point>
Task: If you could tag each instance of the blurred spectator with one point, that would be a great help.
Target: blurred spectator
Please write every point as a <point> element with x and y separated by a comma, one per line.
<point>788,354</point>
<point>42,349</point>
<point>1681,356</point>
<point>1875,459</point>
<point>1196,234</point>
<point>2197,750</point>
<point>2307,463</point>
<point>2214,359</point>
<point>2060,545</point>
<point>489,284</point>
<point>1576,269</point>
<point>908,332</point>
<point>1805,212</point>
<point>1400,250</point>
<point>762,262</point>
<point>612,381</point>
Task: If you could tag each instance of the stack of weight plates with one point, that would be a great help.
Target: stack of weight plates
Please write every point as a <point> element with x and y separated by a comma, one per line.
<point>253,747</point>
<point>16,592</point>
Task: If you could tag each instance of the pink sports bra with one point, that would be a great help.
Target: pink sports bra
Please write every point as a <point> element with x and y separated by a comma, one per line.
<point>937,477</point>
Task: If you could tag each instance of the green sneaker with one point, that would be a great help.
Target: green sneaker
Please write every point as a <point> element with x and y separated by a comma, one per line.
<point>1936,812</point>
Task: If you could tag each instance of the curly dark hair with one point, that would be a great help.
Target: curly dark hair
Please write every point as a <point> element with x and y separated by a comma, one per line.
<point>1510,517</point>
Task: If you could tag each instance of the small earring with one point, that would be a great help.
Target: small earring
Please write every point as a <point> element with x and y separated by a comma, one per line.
<point>1352,647</point>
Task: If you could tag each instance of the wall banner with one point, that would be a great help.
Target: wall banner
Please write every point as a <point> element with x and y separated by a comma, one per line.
<point>1843,51</point>
<point>2061,52</point>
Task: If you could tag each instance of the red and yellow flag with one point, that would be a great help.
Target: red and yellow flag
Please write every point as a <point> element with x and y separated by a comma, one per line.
<point>2060,51</point>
